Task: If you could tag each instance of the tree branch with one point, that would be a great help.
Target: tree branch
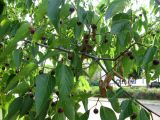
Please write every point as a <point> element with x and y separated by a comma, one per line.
<point>127,92</point>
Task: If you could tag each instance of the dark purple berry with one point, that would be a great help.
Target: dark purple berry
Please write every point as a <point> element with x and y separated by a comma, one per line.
<point>43,38</point>
<point>156,62</point>
<point>71,9</point>
<point>27,58</point>
<point>70,56</point>
<point>133,116</point>
<point>41,72</point>
<point>131,57</point>
<point>60,22</point>
<point>79,23</point>
<point>53,103</point>
<point>95,110</point>
<point>57,93</point>
<point>31,95</point>
<point>1,45</point>
<point>3,68</point>
<point>129,53</point>
<point>6,64</point>
<point>53,72</point>
<point>32,31</point>
<point>60,110</point>
<point>94,26</point>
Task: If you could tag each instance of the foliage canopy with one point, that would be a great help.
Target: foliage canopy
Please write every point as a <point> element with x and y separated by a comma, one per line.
<point>77,39</point>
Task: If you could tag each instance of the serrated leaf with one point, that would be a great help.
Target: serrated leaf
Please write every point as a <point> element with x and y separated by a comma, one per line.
<point>64,12</point>
<point>42,10</point>
<point>107,114</point>
<point>85,116</point>
<point>14,108</point>
<point>93,69</point>
<point>113,100</point>
<point>21,33</point>
<point>144,115</point>
<point>26,105</point>
<point>120,25</point>
<point>44,87</point>
<point>21,88</point>
<point>148,57</point>
<point>126,109</point>
<point>115,7</point>
<point>17,57</point>
<point>21,75</point>
<point>4,27</point>
<point>68,107</point>
<point>58,116</point>
<point>64,78</point>
<point>53,12</point>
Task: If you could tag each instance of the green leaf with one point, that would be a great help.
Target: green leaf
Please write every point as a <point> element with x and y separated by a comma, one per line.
<point>93,69</point>
<point>21,75</point>
<point>17,57</point>
<point>21,33</point>
<point>4,27</point>
<point>113,100</point>
<point>120,25</point>
<point>68,107</point>
<point>41,11</point>
<point>115,7</point>
<point>53,12</point>
<point>2,5</point>
<point>107,114</point>
<point>29,3</point>
<point>14,108</point>
<point>148,57</point>
<point>64,12</point>
<point>85,116</point>
<point>26,105</point>
<point>44,87</point>
<point>126,109</point>
<point>59,116</point>
<point>64,78</point>
<point>144,115</point>
<point>21,88</point>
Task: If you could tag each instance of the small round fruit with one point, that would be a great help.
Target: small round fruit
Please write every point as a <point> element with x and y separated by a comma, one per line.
<point>129,53</point>
<point>131,57</point>
<point>95,110</point>
<point>71,9</point>
<point>60,110</point>
<point>61,22</point>
<point>17,71</point>
<point>41,72</point>
<point>79,23</point>
<point>133,116</point>
<point>53,72</point>
<point>57,93</point>
<point>140,15</point>
<point>1,45</point>
<point>27,58</point>
<point>32,31</point>
<point>94,26</point>
<point>43,38</point>
<point>53,103</point>
<point>6,64</point>
<point>86,36</point>
<point>31,95</point>
<point>3,68</point>
<point>156,62</point>
<point>70,56</point>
